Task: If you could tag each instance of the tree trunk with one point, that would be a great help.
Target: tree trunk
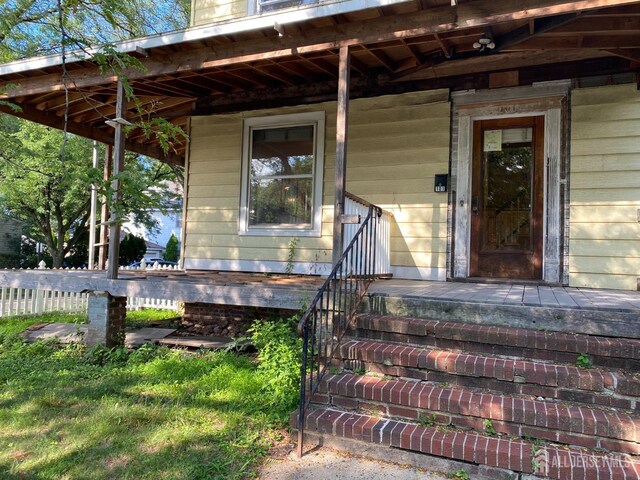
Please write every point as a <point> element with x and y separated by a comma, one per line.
<point>58,257</point>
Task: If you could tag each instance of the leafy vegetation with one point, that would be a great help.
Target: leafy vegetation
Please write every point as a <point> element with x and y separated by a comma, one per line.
<point>76,413</point>
<point>489,429</point>
<point>132,249</point>
<point>459,475</point>
<point>171,249</point>
<point>46,178</point>
<point>584,361</point>
<point>279,360</point>
<point>429,421</point>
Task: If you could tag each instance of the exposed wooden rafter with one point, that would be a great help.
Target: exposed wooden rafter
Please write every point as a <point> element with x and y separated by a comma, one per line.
<point>427,22</point>
<point>93,133</point>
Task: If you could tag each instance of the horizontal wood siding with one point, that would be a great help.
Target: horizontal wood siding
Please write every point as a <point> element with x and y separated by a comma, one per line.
<point>210,11</point>
<point>396,145</point>
<point>604,243</point>
<point>10,232</point>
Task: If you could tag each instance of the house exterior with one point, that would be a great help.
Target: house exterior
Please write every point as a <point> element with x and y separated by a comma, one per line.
<point>572,220</point>
<point>503,140</point>
<point>10,239</point>
<point>487,142</point>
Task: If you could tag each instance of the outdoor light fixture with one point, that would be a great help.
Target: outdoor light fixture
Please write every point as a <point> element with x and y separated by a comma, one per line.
<point>484,43</point>
<point>278,28</point>
<point>118,121</point>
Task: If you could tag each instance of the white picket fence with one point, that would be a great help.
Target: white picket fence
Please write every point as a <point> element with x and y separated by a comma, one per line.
<point>16,302</point>
<point>21,301</point>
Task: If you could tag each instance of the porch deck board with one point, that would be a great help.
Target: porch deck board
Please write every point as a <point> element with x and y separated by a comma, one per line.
<point>513,294</point>
<point>289,292</point>
<point>563,298</point>
<point>531,295</point>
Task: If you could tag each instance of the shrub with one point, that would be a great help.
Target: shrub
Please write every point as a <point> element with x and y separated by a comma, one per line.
<point>279,357</point>
<point>171,249</point>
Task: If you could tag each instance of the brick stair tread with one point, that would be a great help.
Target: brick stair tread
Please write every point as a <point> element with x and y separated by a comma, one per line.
<point>406,398</point>
<point>499,368</point>
<point>519,337</point>
<point>517,455</point>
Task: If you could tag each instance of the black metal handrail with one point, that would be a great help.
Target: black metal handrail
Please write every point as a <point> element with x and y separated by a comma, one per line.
<point>331,312</point>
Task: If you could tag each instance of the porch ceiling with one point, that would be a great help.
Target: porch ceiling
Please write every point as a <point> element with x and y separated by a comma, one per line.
<point>413,45</point>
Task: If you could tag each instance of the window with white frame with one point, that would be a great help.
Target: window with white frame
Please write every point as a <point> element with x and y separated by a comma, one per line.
<point>264,6</point>
<point>282,175</point>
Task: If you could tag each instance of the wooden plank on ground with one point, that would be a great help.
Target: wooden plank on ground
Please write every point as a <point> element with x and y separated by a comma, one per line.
<point>213,343</point>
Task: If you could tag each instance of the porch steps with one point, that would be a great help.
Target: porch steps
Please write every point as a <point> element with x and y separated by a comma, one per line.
<point>503,375</point>
<point>546,345</point>
<point>485,457</point>
<point>498,402</point>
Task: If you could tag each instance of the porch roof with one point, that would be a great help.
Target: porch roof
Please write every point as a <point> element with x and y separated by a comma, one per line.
<point>396,47</point>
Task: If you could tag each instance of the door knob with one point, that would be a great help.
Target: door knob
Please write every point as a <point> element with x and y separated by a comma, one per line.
<point>474,204</point>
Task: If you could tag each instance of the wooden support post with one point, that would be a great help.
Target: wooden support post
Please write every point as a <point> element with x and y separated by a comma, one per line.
<point>104,212</point>
<point>92,216</point>
<point>118,166</point>
<point>341,152</point>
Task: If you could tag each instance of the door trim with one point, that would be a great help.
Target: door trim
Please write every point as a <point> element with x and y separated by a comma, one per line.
<point>546,100</point>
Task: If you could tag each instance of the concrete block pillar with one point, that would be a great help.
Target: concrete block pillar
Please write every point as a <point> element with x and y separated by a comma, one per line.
<point>107,316</point>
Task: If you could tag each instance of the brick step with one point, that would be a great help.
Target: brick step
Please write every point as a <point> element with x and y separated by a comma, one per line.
<point>514,416</point>
<point>559,347</point>
<point>521,456</point>
<point>506,375</point>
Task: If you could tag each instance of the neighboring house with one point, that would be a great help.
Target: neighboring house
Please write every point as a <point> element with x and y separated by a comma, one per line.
<point>153,251</point>
<point>10,235</point>
<point>502,137</point>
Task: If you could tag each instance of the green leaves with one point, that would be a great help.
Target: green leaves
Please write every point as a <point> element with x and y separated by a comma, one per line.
<point>279,357</point>
<point>49,187</point>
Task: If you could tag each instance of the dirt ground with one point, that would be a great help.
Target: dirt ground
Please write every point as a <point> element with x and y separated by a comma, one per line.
<point>326,464</point>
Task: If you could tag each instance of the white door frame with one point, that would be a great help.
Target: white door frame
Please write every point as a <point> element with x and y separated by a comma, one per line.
<point>545,98</point>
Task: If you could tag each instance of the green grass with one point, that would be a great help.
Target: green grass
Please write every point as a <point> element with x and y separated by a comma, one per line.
<point>139,318</point>
<point>14,325</point>
<point>71,413</point>
<point>135,319</point>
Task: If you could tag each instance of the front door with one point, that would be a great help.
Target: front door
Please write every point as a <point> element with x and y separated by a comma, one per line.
<point>507,198</point>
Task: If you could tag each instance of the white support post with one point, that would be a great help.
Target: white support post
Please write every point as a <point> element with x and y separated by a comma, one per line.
<point>92,212</point>
<point>2,300</point>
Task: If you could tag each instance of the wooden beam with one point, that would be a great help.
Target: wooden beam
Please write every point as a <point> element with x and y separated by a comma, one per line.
<point>118,167</point>
<point>92,133</point>
<point>104,212</point>
<point>599,42</point>
<point>415,24</point>
<point>342,121</point>
<point>446,49</point>
<point>505,42</point>
<point>632,54</point>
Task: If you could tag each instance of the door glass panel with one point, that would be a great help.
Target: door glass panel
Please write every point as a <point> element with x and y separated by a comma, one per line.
<point>507,181</point>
